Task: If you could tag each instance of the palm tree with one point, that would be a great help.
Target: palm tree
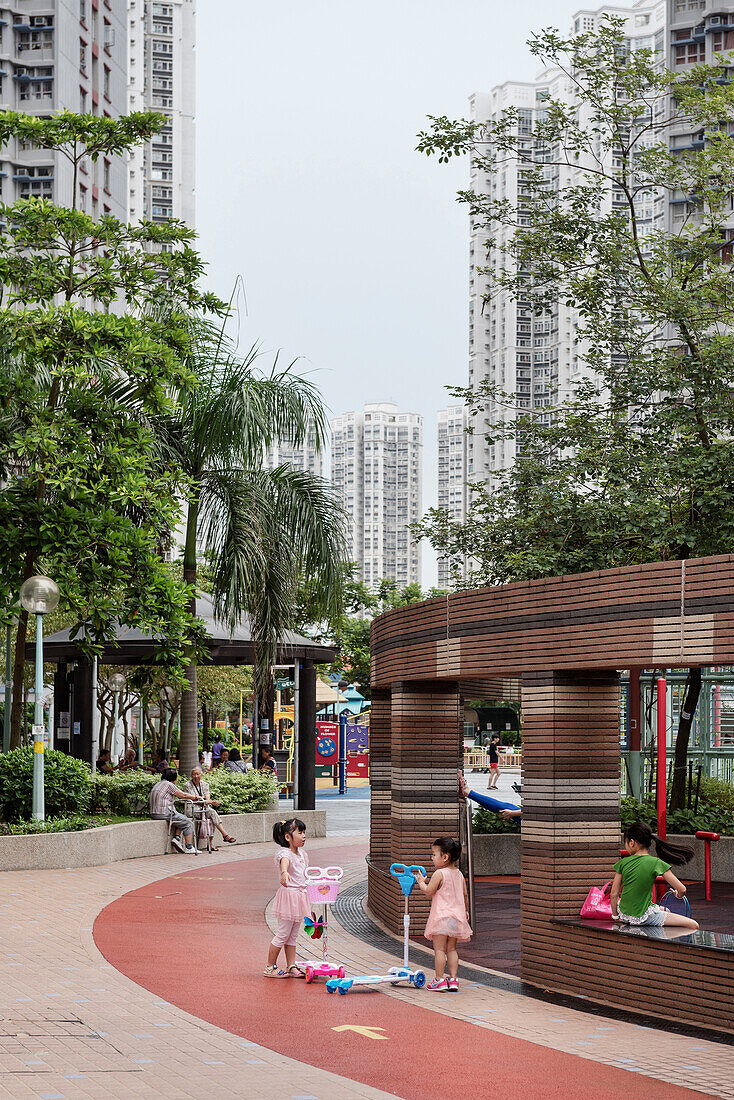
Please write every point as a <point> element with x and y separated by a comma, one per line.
<point>262,530</point>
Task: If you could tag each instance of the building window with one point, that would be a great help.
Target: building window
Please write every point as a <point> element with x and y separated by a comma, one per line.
<point>106,83</point>
<point>106,176</point>
<point>692,54</point>
<point>35,40</point>
<point>83,56</point>
<point>82,101</point>
<point>82,11</point>
<point>723,40</point>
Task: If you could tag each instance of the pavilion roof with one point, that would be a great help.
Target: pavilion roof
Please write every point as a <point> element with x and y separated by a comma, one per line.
<point>133,646</point>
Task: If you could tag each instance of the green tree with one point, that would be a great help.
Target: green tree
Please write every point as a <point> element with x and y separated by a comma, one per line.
<point>84,364</point>
<point>262,530</point>
<point>362,604</point>
<point>638,463</point>
<point>219,687</point>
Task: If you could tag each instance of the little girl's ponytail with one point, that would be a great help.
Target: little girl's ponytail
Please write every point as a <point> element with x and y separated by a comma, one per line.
<point>676,854</point>
<point>283,829</point>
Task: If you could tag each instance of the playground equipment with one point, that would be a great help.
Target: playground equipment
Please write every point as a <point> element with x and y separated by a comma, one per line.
<point>322,888</point>
<point>396,974</point>
<point>707,838</point>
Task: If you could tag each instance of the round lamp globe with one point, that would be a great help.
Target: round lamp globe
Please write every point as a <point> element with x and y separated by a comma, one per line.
<point>39,595</point>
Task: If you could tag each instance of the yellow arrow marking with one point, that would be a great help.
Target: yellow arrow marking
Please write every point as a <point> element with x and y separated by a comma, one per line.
<point>368,1032</point>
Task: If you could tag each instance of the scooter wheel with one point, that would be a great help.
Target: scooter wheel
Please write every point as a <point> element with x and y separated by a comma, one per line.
<point>309,974</point>
<point>342,990</point>
<point>342,972</point>
<point>330,989</point>
<point>419,980</point>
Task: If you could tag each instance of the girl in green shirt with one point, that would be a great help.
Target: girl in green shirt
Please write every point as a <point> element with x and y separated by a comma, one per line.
<point>635,875</point>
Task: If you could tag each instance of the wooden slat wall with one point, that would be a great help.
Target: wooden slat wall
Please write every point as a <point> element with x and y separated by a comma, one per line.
<point>570,826</point>
<point>661,978</point>
<point>426,724</point>
<point>607,619</point>
<point>380,751</point>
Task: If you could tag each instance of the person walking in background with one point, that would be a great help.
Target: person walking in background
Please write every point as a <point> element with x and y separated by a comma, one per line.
<point>494,762</point>
<point>217,748</point>
<point>635,874</point>
<point>448,921</point>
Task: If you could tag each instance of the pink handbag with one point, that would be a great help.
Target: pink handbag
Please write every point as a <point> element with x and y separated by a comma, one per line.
<point>598,905</point>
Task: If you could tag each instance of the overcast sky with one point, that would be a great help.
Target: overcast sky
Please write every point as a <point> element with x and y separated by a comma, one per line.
<point>352,250</point>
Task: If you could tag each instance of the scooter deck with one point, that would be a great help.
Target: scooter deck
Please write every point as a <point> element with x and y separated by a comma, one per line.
<point>322,970</point>
<point>394,976</point>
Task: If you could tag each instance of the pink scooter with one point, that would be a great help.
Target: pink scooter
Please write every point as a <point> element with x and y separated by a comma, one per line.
<point>322,889</point>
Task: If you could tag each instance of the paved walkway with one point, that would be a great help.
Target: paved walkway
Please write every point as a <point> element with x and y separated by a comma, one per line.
<point>199,1020</point>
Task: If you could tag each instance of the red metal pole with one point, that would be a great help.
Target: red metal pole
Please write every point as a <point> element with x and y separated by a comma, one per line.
<point>707,872</point>
<point>662,777</point>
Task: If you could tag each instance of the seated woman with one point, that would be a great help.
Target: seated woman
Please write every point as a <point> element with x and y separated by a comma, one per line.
<point>199,787</point>
<point>128,762</point>
<point>235,763</point>
<point>267,760</point>
<point>507,810</point>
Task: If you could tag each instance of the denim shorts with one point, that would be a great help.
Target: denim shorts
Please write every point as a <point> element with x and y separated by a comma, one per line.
<point>653,917</point>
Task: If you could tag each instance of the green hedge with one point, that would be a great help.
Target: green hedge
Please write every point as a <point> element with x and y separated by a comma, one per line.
<point>67,784</point>
<point>715,813</point>
<point>129,793</point>
<point>124,793</point>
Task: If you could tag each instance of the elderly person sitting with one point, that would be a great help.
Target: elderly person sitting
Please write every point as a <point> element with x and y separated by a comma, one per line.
<point>199,787</point>
<point>234,762</point>
<point>162,796</point>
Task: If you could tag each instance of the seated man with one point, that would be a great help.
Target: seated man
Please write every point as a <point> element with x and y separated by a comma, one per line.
<point>197,785</point>
<point>104,764</point>
<point>160,761</point>
<point>162,796</point>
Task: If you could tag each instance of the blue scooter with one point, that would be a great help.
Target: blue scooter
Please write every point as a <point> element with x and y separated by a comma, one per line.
<point>396,974</point>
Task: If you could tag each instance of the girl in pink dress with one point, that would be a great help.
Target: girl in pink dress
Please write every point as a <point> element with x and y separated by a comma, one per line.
<point>291,903</point>
<point>448,921</point>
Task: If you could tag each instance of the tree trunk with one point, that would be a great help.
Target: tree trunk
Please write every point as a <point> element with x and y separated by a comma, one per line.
<point>16,710</point>
<point>680,765</point>
<point>188,745</point>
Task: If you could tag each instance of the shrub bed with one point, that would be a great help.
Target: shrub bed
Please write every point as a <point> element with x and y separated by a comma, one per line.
<point>67,784</point>
<point>72,793</point>
<point>715,813</point>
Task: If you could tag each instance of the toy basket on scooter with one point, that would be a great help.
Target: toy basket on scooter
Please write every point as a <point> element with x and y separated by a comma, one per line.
<point>322,884</point>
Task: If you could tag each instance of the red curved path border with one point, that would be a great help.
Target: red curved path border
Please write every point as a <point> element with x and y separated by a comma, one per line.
<point>199,940</point>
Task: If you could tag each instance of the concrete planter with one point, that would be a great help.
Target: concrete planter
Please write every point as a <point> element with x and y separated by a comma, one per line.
<point>130,839</point>
<point>499,854</point>
<point>496,853</point>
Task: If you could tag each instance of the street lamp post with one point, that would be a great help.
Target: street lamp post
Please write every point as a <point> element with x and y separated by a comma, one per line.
<point>117,682</point>
<point>39,595</point>
<point>8,687</point>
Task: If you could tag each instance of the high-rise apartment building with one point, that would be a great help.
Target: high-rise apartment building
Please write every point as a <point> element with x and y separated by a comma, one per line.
<point>304,457</point>
<point>56,55</point>
<point>452,471</point>
<point>376,463</point>
<point>161,66</point>
<point>537,357</point>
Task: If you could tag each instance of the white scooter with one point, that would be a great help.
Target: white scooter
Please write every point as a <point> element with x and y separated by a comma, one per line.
<point>396,974</point>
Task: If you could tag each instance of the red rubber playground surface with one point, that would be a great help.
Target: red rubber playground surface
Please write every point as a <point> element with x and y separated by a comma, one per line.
<point>199,940</point>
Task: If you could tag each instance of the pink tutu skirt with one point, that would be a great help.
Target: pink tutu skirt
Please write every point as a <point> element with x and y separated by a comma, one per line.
<point>291,903</point>
<point>448,925</point>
